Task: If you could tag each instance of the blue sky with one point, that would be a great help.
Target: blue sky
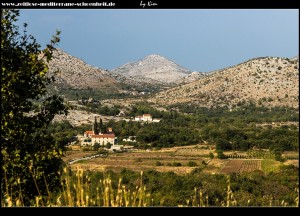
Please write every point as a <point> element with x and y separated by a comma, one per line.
<point>198,39</point>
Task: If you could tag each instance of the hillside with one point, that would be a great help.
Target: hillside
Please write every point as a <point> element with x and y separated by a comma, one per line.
<point>152,69</point>
<point>191,77</point>
<point>75,73</point>
<point>269,81</point>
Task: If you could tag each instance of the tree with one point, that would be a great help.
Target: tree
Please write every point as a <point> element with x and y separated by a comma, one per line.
<point>222,144</point>
<point>96,147</point>
<point>95,127</point>
<point>108,145</point>
<point>221,155</point>
<point>30,155</point>
<point>101,125</point>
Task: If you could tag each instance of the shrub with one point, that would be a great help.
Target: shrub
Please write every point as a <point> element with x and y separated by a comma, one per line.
<point>192,164</point>
<point>221,155</point>
<point>176,164</point>
<point>158,163</point>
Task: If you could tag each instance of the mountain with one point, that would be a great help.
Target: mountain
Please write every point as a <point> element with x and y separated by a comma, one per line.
<point>268,81</point>
<point>75,73</point>
<point>152,69</point>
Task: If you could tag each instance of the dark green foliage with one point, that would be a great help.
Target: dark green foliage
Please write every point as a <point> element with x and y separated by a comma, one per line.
<point>96,146</point>
<point>30,155</point>
<point>176,164</point>
<point>221,155</point>
<point>62,132</point>
<point>108,145</point>
<point>278,156</point>
<point>158,163</point>
<point>244,113</point>
<point>192,164</point>
<point>223,144</point>
<point>96,127</point>
<point>170,189</point>
<point>235,130</point>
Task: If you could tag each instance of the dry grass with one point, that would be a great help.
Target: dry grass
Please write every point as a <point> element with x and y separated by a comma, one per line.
<point>78,194</point>
<point>70,155</point>
<point>292,162</point>
<point>144,160</point>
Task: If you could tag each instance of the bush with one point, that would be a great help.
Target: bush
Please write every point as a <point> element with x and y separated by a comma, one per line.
<point>158,163</point>
<point>176,164</point>
<point>197,170</point>
<point>221,155</point>
<point>192,164</point>
<point>87,148</point>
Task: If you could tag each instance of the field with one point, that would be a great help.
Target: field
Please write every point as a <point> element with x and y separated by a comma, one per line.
<point>270,166</point>
<point>292,162</point>
<point>239,166</point>
<point>180,160</point>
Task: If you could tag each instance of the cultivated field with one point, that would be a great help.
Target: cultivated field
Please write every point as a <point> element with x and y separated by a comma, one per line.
<point>239,166</point>
<point>180,160</point>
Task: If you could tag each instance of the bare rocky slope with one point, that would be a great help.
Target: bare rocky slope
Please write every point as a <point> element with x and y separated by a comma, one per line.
<point>191,77</point>
<point>74,73</point>
<point>152,69</point>
<point>268,81</point>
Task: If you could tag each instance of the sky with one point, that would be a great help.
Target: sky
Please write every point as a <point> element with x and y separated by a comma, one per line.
<point>201,40</point>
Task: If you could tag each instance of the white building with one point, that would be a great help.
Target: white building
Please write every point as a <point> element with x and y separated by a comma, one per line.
<point>90,138</point>
<point>144,117</point>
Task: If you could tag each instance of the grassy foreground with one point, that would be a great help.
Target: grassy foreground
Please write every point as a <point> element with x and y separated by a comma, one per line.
<point>79,191</point>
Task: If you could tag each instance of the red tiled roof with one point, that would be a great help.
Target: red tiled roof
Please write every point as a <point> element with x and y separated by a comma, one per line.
<point>111,135</point>
<point>89,132</point>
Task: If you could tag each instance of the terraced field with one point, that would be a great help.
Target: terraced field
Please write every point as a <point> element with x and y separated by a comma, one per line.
<point>177,159</point>
<point>239,166</point>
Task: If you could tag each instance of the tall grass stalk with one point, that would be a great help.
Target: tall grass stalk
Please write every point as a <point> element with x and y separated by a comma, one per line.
<point>78,192</point>
<point>106,194</point>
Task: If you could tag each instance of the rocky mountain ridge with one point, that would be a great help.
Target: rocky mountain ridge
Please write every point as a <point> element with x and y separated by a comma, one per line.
<point>153,68</point>
<point>269,81</point>
<point>74,73</point>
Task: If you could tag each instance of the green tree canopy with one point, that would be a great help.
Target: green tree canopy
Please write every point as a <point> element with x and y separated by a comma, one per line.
<point>30,155</point>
